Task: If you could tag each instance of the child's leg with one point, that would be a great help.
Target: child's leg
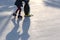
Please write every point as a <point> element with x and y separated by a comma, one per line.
<point>14,14</point>
<point>16,11</point>
<point>19,14</point>
<point>19,11</point>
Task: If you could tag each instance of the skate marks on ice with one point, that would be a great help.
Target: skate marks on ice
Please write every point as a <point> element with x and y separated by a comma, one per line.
<point>6,5</point>
<point>4,21</point>
<point>6,8</point>
<point>14,35</point>
<point>52,3</point>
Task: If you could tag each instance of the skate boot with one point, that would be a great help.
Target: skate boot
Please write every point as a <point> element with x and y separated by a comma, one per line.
<point>19,17</point>
<point>14,14</point>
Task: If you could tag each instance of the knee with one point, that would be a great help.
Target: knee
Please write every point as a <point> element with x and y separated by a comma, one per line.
<point>19,8</point>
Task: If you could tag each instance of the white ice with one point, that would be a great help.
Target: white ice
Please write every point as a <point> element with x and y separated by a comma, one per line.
<point>43,25</point>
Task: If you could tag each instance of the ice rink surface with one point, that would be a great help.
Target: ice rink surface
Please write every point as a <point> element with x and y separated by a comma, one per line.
<point>43,25</point>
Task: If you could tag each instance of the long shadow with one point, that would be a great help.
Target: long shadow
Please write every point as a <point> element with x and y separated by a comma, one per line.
<point>6,5</point>
<point>25,27</point>
<point>14,35</point>
<point>5,24</point>
<point>52,3</point>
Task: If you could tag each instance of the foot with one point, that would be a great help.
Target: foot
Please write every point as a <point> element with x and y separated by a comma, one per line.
<point>14,14</point>
<point>19,16</point>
